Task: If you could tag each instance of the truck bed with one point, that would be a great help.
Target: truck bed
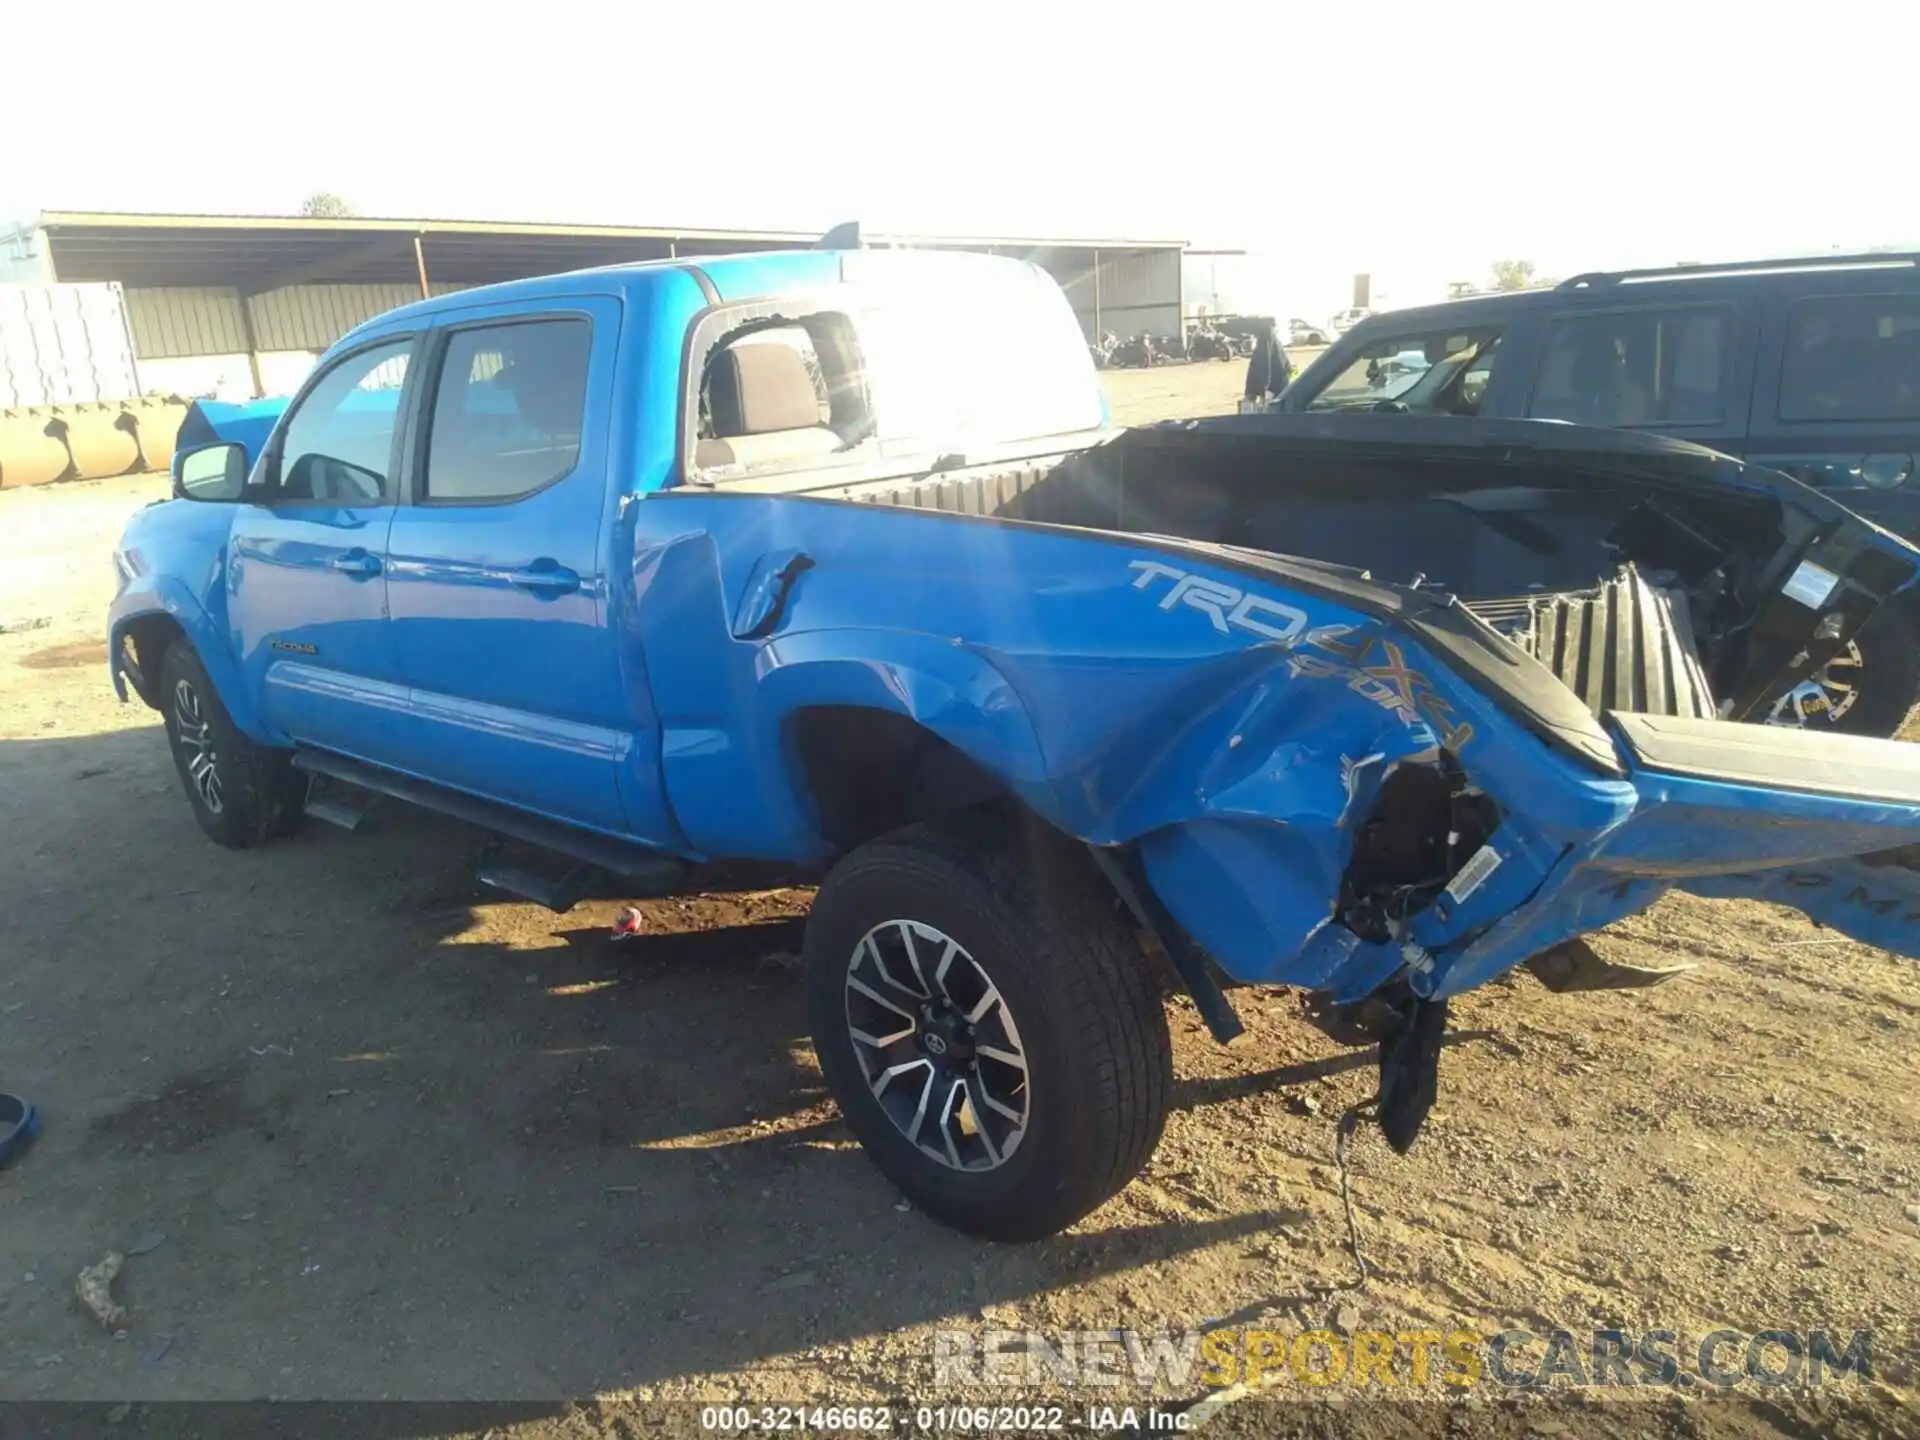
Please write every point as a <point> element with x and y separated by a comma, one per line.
<point>1591,582</point>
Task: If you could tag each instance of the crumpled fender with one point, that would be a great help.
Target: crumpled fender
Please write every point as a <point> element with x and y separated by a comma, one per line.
<point>1242,779</point>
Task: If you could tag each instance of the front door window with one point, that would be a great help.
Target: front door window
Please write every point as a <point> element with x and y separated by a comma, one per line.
<point>338,443</point>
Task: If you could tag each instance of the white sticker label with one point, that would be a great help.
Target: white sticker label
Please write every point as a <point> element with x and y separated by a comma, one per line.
<point>1810,584</point>
<point>1473,874</point>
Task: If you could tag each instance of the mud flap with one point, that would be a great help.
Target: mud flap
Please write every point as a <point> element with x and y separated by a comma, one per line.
<point>1410,1071</point>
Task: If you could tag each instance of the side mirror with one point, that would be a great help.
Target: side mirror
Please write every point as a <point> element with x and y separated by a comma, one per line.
<point>214,473</point>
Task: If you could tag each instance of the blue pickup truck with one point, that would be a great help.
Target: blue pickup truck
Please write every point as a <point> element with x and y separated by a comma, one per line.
<point>765,558</point>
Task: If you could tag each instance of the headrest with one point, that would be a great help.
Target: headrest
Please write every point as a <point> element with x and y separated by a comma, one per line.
<point>754,389</point>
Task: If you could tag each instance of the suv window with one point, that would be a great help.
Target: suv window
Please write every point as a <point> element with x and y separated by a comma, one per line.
<point>1642,367</point>
<point>1852,357</point>
<point>1433,372</point>
<point>508,409</point>
<point>338,444</point>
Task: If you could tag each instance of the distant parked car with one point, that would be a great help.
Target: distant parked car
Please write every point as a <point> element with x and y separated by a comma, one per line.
<point>1346,319</point>
<point>1303,332</point>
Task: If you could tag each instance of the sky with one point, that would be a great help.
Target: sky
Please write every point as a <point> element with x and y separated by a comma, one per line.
<point>1415,142</point>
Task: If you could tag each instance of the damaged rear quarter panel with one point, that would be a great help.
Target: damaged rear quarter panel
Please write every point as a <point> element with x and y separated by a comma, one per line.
<point>1235,729</point>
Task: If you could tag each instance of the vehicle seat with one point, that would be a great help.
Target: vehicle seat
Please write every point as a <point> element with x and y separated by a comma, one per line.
<point>763,409</point>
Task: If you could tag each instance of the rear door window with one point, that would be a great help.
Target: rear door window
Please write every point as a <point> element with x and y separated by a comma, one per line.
<point>1852,357</point>
<point>508,410</point>
<point>947,376</point>
<point>782,393</point>
<point>1654,368</point>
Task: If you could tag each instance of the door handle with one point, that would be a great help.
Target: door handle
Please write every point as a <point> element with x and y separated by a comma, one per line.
<point>544,577</point>
<point>357,563</point>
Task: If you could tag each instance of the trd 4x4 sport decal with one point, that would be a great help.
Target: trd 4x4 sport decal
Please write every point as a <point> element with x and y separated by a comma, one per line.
<point>1388,682</point>
<point>1227,607</point>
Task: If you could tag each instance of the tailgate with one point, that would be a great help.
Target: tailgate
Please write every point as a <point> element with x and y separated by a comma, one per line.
<point>1828,824</point>
<point>1775,758</point>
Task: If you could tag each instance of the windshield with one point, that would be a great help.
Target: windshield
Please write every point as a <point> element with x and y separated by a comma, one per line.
<point>1435,373</point>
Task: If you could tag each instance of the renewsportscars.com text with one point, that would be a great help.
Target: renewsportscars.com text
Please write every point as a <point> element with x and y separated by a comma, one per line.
<point>1403,1360</point>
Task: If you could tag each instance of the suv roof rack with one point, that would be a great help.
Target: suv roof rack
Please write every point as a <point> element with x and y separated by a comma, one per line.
<point>1592,279</point>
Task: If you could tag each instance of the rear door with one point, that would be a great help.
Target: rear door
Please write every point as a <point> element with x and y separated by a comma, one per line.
<point>1837,398</point>
<point>306,579</point>
<point>1680,369</point>
<point>499,576</point>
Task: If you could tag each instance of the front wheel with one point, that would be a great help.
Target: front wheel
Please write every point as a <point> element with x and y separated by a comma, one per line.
<point>242,794</point>
<point>990,1028</point>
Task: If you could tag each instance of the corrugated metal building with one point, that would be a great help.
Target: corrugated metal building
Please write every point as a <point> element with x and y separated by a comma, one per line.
<point>200,339</point>
<point>239,306</point>
<point>64,345</point>
<point>1130,292</point>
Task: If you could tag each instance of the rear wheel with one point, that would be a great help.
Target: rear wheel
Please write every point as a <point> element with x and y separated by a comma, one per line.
<point>991,1029</point>
<point>1867,689</point>
<point>242,794</point>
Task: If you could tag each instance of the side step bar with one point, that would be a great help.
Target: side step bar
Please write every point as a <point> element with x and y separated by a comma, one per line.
<point>337,803</point>
<point>644,871</point>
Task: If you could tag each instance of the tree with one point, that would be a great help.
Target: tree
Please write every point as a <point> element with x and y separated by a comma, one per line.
<point>325,205</point>
<point>1512,274</point>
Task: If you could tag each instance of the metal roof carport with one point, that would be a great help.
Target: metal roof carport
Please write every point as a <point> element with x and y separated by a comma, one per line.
<point>237,288</point>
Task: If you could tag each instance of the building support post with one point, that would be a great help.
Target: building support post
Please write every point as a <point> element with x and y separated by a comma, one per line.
<point>420,262</point>
<point>1098,328</point>
<point>252,343</point>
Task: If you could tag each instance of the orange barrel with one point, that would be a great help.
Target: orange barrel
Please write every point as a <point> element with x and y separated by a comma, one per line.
<point>33,448</point>
<point>101,445</point>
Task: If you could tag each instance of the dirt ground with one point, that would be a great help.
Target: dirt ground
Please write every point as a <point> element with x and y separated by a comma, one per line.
<point>376,1135</point>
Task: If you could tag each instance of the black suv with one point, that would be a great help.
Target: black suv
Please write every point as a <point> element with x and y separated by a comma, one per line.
<point>1811,367</point>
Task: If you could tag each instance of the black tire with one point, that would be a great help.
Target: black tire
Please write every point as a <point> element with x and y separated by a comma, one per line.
<point>1865,690</point>
<point>1032,914</point>
<point>255,794</point>
<point>1889,674</point>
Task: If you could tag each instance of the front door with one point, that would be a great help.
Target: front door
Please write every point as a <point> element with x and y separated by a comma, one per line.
<point>306,581</point>
<point>499,579</point>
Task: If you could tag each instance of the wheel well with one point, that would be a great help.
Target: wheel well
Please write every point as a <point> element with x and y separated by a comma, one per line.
<point>148,636</point>
<point>872,771</point>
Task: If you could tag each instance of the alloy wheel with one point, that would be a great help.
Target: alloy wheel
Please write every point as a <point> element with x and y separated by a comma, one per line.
<point>196,742</point>
<point>938,1045</point>
<point>1824,697</point>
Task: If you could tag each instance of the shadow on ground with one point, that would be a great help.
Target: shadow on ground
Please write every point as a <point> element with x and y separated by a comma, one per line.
<point>403,1142</point>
